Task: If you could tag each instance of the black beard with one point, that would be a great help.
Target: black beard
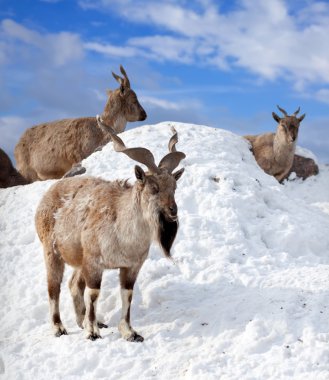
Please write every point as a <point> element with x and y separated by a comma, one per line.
<point>167,233</point>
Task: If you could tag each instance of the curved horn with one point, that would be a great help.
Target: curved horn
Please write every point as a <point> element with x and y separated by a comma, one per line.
<point>173,141</point>
<point>172,159</point>
<point>142,155</point>
<point>282,110</point>
<point>126,80</point>
<point>296,112</point>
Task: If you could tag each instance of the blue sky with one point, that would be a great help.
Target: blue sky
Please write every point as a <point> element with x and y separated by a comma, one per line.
<point>224,64</point>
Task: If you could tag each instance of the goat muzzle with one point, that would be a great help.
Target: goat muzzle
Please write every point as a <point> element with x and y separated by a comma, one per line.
<point>142,116</point>
<point>172,212</point>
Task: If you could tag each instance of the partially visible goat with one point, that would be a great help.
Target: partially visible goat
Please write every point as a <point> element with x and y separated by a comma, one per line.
<point>92,225</point>
<point>49,150</point>
<point>9,176</point>
<point>303,167</point>
<point>274,152</point>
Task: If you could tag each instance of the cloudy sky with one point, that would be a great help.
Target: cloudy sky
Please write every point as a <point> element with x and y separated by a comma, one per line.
<point>225,64</point>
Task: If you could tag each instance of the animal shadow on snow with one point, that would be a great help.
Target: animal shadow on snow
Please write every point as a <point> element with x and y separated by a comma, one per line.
<point>177,308</point>
<point>211,309</point>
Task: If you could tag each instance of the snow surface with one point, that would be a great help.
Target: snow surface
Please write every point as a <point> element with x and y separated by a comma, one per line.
<point>247,296</point>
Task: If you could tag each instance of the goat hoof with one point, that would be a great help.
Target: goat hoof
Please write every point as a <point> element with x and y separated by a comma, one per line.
<point>135,338</point>
<point>94,336</point>
<point>102,325</point>
<point>60,332</point>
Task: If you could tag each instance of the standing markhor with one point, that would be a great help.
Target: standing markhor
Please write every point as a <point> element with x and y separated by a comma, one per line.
<point>93,225</point>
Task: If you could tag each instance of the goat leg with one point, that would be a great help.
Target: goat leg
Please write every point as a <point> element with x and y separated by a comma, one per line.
<point>127,280</point>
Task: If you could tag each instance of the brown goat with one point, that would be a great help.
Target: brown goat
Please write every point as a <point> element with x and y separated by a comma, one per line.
<point>92,225</point>
<point>274,152</point>
<point>9,176</point>
<point>303,167</point>
<point>49,150</point>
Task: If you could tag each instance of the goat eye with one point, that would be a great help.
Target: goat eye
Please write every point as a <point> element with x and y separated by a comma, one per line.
<point>155,189</point>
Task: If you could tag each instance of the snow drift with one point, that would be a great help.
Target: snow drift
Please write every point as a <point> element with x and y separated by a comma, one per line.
<point>246,297</point>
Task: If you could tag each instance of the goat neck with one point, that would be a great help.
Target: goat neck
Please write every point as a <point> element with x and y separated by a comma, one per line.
<point>112,115</point>
<point>283,150</point>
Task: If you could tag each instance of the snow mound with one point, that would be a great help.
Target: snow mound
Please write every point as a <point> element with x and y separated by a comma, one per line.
<point>246,298</point>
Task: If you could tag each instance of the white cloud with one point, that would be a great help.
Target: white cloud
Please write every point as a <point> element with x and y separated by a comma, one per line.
<point>264,37</point>
<point>167,47</point>
<point>151,101</point>
<point>323,95</point>
<point>108,49</point>
<point>56,50</point>
<point>64,47</point>
<point>14,30</point>
<point>158,48</point>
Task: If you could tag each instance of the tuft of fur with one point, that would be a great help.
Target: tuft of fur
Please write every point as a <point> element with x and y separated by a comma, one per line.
<point>167,231</point>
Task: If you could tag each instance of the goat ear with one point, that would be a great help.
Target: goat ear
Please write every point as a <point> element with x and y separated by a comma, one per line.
<point>140,174</point>
<point>276,117</point>
<point>301,117</point>
<point>178,174</point>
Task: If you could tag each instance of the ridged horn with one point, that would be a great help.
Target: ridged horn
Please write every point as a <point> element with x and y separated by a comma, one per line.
<point>172,159</point>
<point>296,112</point>
<point>282,110</point>
<point>142,155</point>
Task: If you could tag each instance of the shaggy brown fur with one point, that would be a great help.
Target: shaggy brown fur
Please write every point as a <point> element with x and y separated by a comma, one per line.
<point>9,176</point>
<point>50,149</point>
<point>274,152</point>
<point>93,225</point>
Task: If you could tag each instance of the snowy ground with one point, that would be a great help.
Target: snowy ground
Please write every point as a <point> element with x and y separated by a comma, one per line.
<point>247,297</point>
